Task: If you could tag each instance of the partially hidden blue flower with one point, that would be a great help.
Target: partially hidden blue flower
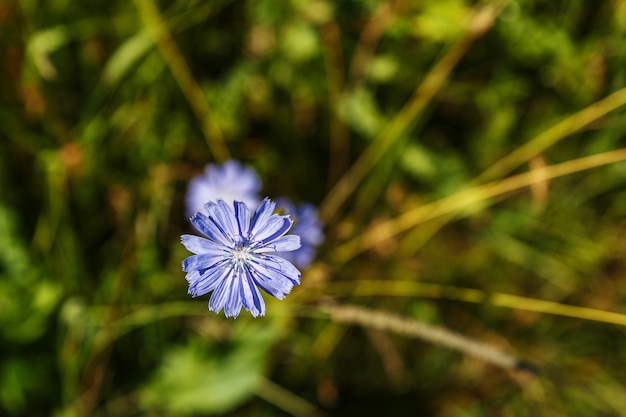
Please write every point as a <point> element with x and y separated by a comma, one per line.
<point>230,181</point>
<point>238,256</point>
<point>306,225</point>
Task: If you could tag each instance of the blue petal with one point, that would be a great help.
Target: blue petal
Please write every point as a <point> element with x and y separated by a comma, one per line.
<point>261,216</point>
<point>301,258</point>
<point>223,294</point>
<point>275,288</point>
<point>275,227</point>
<point>242,214</point>
<point>218,298</point>
<point>234,301</point>
<point>221,219</point>
<point>207,227</point>
<point>201,262</point>
<point>225,217</point>
<point>252,300</point>
<point>281,266</point>
<point>200,284</point>
<point>196,244</point>
<point>307,225</point>
<point>192,277</point>
<point>282,244</point>
<point>274,275</point>
<point>229,181</point>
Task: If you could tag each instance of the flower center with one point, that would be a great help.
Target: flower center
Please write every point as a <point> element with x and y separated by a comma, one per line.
<point>241,255</point>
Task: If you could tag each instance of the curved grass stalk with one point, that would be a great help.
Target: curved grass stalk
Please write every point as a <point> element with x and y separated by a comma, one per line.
<point>431,333</point>
<point>482,194</point>
<point>285,399</point>
<point>553,134</point>
<point>480,22</point>
<point>468,295</point>
<point>540,143</point>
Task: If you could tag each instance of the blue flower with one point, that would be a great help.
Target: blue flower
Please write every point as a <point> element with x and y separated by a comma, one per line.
<point>308,227</point>
<point>230,181</point>
<point>236,257</point>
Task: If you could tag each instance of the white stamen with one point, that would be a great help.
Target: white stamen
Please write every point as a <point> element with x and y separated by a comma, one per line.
<point>241,255</point>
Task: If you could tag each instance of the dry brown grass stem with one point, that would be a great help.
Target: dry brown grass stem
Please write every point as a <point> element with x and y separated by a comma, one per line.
<point>412,328</point>
<point>469,197</point>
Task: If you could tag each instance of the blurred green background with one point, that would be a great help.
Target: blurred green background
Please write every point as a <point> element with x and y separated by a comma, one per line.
<point>369,109</point>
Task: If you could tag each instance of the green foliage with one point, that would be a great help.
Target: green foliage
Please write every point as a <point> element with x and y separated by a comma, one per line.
<point>109,108</point>
<point>197,379</point>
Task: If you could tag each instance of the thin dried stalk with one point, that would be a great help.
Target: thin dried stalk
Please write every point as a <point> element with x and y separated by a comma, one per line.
<point>428,332</point>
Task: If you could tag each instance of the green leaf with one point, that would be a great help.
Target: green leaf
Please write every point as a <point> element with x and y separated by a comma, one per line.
<point>360,110</point>
<point>126,56</point>
<point>299,42</point>
<point>441,21</point>
<point>197,378</point>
